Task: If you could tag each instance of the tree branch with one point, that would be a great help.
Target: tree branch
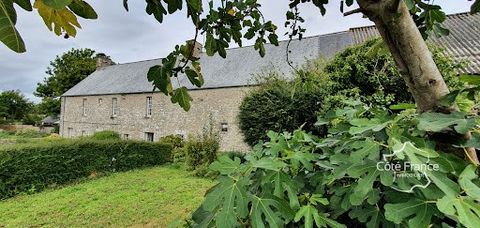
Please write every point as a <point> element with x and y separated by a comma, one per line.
<point>348,13</point>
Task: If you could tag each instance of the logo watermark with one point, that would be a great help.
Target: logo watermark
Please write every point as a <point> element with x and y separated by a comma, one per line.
<point>407,169</point>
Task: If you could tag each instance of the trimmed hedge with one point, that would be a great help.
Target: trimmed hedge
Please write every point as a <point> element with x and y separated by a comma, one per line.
<point>33,168</point>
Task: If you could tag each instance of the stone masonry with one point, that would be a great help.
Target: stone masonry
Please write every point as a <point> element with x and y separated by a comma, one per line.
<point>217,106</point>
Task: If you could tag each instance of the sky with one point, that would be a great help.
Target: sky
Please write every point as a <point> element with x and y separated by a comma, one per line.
<point>134,35</point>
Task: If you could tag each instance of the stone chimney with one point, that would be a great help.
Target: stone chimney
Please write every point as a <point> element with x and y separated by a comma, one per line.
<point>103,61</point>
<point>197,49</point>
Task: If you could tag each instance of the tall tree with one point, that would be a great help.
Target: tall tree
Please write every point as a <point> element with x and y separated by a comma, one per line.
<point>403,25</point>
<point>64,72</point>
<point>14,105</point>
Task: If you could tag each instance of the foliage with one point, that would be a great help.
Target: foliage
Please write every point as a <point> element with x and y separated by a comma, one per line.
<point>298,178</point>
<point>64,72</point>
<point>106,135</point>
<point>175,140</point>
<point>33,119</point>
<point>49,106</point>
<point>165,194</point>
<point>199,151</point>
<point>14,105</point>
<point>282,105</point>
<point>368,72</point>
<point>36,167</point>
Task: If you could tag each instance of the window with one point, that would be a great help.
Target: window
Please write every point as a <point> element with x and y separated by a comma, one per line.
<point>224,126</point>
<point>149,136</point>
<point>126,136</point>
<point>114,107</point>
<point>84,109</point>
<point>149,105</point>
<point>83,133</point>
<point>100,100</point>
<point>69,132</point>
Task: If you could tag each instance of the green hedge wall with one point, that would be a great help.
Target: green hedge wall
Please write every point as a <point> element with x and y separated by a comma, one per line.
<point>31,169</point>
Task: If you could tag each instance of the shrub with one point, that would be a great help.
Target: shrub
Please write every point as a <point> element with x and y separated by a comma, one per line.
<point>175,140</point>
<point>281,105</point>
<point>298,179</point>
<point>106,135</point>
<point>199,151</point>
<point>368,72</point>
<point>39,166</point>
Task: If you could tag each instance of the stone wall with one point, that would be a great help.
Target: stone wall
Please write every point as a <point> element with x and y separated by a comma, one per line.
<point>214,106</point>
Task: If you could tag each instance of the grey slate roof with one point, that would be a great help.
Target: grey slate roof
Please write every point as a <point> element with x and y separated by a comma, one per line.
<point>463,43</point>
<point>241,64</point>
<point>238,69</point>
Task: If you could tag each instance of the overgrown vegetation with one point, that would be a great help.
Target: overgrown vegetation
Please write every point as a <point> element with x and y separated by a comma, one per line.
<point>33,167</point>
<point>365,72</point>
<point>199,151</point>
<point>343,179</point>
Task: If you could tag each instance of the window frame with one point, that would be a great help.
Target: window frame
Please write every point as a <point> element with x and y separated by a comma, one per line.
<point>148,106</point>
<point>148,138</point>
<point>84,108</point>
<point>115,109</point>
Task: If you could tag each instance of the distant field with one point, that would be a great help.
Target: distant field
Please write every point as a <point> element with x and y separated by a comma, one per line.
<point>151,197</point>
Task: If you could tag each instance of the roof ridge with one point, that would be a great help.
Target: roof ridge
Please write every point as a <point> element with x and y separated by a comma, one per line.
<point>234,48</point>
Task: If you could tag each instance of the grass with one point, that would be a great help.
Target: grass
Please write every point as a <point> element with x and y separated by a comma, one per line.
<point>152,197</point>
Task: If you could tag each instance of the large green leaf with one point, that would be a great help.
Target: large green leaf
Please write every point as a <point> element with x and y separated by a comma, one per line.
<point>224,165</point>
<point>182,97</point>
<point>465,209</point>
<point>283,183</point>
<point>416,212</point>
<point>310,214</point>
<point>466,182</point>
<point>231,196</point>
<point>8,33</point>
<point>363,125</point>
<point>437,122</point>
<point>365,148</point>
<point>268,163</point>
<point>271,210</point>
<point>368,174</point>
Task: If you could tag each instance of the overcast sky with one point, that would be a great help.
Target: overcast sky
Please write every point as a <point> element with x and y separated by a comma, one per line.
<point>134,36</point>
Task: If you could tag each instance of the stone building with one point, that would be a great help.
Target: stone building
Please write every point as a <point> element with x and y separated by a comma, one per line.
<point>119,97</point>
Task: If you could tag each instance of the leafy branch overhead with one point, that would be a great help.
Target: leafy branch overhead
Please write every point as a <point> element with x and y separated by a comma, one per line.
<point>222,22</point>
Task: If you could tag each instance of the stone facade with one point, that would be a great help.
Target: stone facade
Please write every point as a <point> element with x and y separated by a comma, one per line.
<point>84,115</point>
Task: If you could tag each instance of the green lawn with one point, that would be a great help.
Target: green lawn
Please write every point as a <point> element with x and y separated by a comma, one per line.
<point>151,197</point>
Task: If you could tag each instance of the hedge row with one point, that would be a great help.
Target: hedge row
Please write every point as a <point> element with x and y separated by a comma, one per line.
<point>31,169</point>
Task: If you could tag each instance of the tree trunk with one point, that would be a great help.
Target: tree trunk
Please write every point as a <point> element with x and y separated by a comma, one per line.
<point>410,52</point>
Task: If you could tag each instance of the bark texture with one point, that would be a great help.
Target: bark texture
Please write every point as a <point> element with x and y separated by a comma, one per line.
<point>412,57</point>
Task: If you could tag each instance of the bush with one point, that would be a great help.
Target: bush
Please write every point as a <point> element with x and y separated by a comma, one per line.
<point>106,135</point>
<point>199,151</point>
<point>281,105</point>
<point>37,167</point>
<point>175,140</point>
<point>368,72</point>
